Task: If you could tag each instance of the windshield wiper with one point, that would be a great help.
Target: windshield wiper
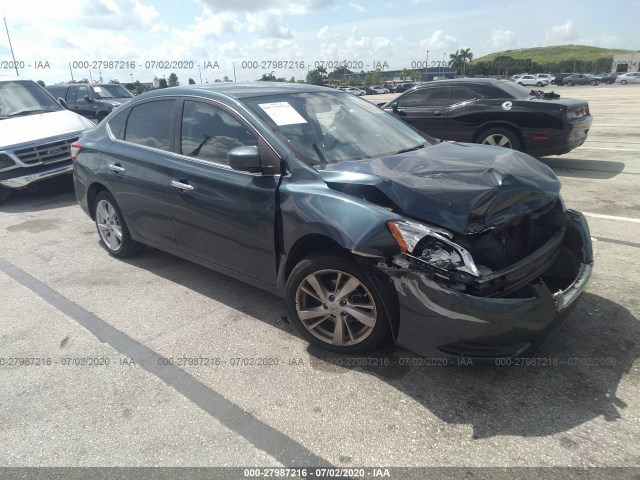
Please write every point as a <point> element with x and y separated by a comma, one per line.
<point>417,147</point>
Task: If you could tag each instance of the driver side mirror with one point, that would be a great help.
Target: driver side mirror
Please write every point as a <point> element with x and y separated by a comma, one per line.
<point>394,107</point>
<point>245,159</point>
<point>88,99</point>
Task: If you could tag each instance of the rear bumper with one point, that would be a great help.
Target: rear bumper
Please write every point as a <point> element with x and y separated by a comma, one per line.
<point>438,322</point>
<point>558,142</point>
<point>27,176</point>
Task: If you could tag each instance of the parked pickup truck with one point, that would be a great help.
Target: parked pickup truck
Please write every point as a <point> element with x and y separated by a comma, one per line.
<point>35,135</point>
<point>92,100</point>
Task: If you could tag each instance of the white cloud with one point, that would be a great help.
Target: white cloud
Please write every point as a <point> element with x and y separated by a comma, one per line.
<point>503,40</point>
<point>356,7</point>
<point>121,15</point>
<point>279,6</point>
<point>323,33</point>
<point>561,33</point>
<point>207,28</point>
<point>267,25</point>
<point>438,41</point>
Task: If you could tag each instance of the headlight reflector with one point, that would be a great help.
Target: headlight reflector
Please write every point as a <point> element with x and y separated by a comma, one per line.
<point>432,245</point>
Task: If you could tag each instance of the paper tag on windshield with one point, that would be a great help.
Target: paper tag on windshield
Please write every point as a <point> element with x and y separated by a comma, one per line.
<point>282,113</point>
<point>97,89</point>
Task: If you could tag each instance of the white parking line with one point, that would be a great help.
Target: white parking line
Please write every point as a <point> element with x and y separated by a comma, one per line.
<point>613,149</point>
<point>611,217</point>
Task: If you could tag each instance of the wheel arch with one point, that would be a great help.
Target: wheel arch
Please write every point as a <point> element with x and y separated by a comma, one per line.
<point>315,242</point>
<point>92,193</point>
<point>506,125</point>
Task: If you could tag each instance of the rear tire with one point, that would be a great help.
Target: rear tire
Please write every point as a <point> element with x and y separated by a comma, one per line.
<point>623,82</point>
<point>112,229</point>
<point>334,305</point>
<point>594,83</point>
<point>500,137</point>
<point>539,84</point>
<point>569,84</point>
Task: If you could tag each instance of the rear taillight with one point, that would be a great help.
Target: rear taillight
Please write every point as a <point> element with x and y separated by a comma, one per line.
<point>75,149</point>
<point>578,113</point>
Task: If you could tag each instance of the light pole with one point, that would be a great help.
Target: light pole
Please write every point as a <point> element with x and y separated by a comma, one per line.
<point>443,64</point>
<point>131,75</point>
<point>426,69</point>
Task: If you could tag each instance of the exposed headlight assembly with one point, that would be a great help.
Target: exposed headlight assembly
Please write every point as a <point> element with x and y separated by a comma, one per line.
<point>432,246</point>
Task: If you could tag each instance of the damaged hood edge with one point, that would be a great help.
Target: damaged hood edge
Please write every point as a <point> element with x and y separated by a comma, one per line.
<point>466,188</point>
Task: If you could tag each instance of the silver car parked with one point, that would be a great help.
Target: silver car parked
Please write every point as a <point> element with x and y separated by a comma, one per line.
<point>631,77</point>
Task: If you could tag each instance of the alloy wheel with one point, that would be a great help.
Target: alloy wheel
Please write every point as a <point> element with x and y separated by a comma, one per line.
<point>336,307</point>
<point>109,226</point>
<point>498,140</point>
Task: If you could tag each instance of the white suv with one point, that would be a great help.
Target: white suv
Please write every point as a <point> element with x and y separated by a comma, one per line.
<point>531,80</point>
<point>35,135</point>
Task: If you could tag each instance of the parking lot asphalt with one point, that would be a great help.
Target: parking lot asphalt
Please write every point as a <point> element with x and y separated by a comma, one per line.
<point>104,330</point>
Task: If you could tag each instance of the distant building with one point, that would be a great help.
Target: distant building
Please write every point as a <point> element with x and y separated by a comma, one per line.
<point>626,62</point>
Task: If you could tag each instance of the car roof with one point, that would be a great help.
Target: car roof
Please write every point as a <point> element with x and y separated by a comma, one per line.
<point>467,81</point>
<point>237,90</point>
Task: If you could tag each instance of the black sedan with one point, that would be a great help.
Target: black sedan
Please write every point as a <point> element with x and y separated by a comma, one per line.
<point>495,112</point>
<point>366,227</point>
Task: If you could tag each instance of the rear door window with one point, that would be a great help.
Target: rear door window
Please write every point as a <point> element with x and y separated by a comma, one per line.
<point>149,124</point>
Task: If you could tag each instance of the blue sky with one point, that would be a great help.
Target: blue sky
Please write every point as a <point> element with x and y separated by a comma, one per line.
<point>218,35</point>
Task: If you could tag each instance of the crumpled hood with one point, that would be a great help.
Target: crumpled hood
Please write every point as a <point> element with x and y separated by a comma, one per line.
<point>462,187</point>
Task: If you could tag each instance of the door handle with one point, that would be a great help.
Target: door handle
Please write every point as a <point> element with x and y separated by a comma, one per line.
<point>116,168</point>
<point>438,114</point>
<point>180,185</point>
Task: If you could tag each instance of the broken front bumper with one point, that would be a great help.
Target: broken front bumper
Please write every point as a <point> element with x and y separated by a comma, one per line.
<point>437,321</point>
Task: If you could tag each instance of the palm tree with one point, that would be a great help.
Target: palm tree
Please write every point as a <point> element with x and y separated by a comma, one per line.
<point>405,73</point>
<point>459,59</point>
<point>455,60</point>
<point>465,54</point>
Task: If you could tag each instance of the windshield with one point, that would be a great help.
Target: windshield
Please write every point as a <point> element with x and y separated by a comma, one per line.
<point>334,126</point>
<point>24,98</point>
<point>111,91</point>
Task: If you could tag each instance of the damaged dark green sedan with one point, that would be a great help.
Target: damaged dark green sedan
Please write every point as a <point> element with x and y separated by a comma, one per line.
<point>366,227</point>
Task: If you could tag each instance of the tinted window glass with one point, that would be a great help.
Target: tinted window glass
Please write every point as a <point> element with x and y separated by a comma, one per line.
<point>150,124</point>
<point>459,95</point>
<point>73,94</point>
<point>209,132</point>
<point>488,91</point>
<point>117,122</point>
<point>426,98</point>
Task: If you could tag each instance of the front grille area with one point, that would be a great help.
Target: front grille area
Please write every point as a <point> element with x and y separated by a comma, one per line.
<point>46,153</point>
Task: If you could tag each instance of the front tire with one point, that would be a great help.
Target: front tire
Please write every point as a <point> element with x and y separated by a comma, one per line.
<point>623,82</point>
<point>500,137</point>
<point>569,84</point>
<point>594,83</point>
<point>335,306</point>
<point>539,84</point>
<point>112,229</point>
